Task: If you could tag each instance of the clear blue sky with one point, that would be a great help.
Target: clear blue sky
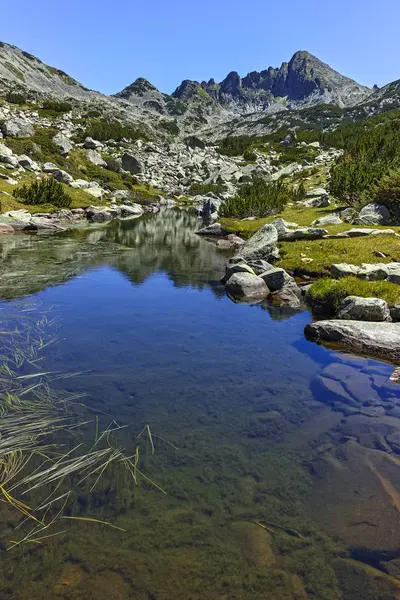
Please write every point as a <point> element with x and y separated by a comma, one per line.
<point>107,44</point>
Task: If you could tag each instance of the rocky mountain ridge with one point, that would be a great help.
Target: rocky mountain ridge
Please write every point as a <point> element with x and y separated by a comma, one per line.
<point>194,107</point>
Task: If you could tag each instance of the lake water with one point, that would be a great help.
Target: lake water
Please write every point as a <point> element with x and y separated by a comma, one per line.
<point>278,457</point>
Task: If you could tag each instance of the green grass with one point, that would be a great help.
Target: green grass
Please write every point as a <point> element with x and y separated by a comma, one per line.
<point>334,291</point>
<point>325,253</point>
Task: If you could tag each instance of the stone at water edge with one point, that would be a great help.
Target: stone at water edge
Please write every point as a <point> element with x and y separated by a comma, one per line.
<point>261,245</point>
<point>364,309</point>
<point>246,286</point>
<point>213,229</point>
<point>381,340</point>
<point>237,268</point>
<point>276,278</point>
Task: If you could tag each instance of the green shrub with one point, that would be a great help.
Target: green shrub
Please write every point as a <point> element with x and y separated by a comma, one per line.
<point>387,192</point>
<point>257,199</point>
<point>235,145</point>
<point>57,106</point>
<point>15,98</point>
<point>250,155</point>
<point>110,129</point>
<point>45,191</point>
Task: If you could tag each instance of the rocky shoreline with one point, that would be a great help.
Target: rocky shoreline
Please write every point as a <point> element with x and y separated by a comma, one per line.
<point>363,326</point>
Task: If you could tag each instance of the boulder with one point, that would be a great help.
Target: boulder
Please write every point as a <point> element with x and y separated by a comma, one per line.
<point>63,143</point>
<point>316,193</point>
<point>364,309</point>
<point>94,157</point>
<point>373,214</point>
<point>321,202</point>
<point>50,167</point>
<point>303,233</point>
<point>95,190</point>
<point>19,215</point>
<point>91,144</point>
<point>62,176</point>
<point>195,142</point>
<point>246,286</point>
<point>260,266</point>
<point>17,128</point>
<point>328,220</point>
<point>121,196</point>
<point>5,151</point>
<point>238,268</point>
<point>371,272</point>
<point>289,295</point>
<point>213,229</point>
<point>99,214</point>
<point>261,245</point>
<point>27,163</point>
<point>133,210</point>
<point>276,278</point>
<point>9,160</point>
<point>131,164</point>
<point>381,340</point>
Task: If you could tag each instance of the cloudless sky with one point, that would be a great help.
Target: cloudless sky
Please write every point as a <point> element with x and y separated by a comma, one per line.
<point>107,44</point>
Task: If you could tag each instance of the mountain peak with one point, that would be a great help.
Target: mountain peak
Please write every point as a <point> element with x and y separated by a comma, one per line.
<point>138,88</point>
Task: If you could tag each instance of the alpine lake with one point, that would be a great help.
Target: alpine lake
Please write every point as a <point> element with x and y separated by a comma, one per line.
<point>248,463</point>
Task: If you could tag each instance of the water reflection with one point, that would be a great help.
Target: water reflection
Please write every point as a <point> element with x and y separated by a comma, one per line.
<point>165,242</point>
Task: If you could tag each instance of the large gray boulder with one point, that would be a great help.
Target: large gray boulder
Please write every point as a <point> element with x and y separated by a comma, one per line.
<point>17,128</point>
<point>27,163</point>
<point>63,143</point>
<point>381,340</point>
<point>245,286</point>
<point>373,214</point>
<point>62,176</point>
<point>91,144</point>
<point>131,164</point>
<point>364,309</point>
<point>94,157</point>
<point>276,278</point>
<point>261,245</point>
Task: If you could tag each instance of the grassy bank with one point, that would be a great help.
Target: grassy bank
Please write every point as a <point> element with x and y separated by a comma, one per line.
<point>323,252</point>
<point>334,291</point>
